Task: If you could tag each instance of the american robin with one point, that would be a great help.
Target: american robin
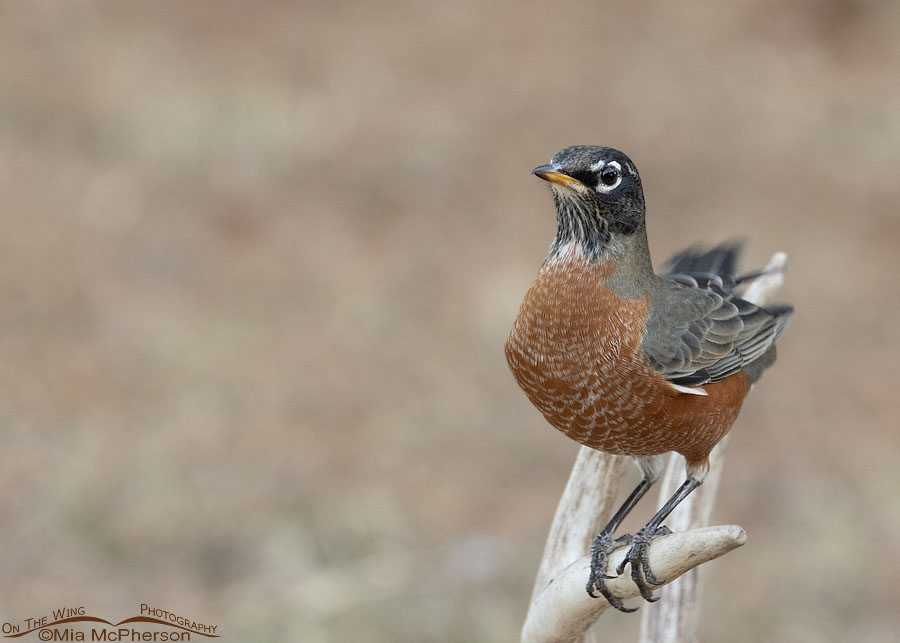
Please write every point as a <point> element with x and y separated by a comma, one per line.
<point>626,361</point>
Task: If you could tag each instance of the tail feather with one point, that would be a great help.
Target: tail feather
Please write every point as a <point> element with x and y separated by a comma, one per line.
<point>718,264</point>
<point>783,315</point>
<point>721,261</point>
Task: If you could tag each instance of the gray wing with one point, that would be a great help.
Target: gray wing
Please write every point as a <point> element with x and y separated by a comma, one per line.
<point>699,331</point>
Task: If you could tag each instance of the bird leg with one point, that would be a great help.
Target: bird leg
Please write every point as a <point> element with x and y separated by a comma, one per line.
<point>637,556</point>
<point>603,543</point>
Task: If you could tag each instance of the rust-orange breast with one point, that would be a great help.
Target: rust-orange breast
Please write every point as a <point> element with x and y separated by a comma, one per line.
<point>575,351</point>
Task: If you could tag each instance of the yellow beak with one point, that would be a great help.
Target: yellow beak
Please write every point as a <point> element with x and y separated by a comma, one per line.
<point>551,175</point>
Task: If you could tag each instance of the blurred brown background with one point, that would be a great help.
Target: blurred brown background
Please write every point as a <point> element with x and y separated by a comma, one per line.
<point>258,262</point>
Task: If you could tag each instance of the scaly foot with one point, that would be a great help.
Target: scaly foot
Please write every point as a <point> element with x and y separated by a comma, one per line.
<point>603,544</point>
<point>637,557</point>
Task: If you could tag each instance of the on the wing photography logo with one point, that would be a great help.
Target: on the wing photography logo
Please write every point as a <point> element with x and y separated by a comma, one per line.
<point>75,624</point>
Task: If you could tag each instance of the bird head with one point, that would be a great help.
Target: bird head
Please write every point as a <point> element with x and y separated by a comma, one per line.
<point>598,195</point>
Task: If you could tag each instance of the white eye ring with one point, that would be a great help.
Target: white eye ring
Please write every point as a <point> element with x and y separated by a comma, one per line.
<point>601,186</point>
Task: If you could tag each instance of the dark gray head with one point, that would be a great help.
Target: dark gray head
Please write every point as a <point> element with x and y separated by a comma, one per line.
<point>598,196</point>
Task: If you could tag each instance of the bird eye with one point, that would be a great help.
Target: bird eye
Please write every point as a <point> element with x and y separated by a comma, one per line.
<point>609,175</point>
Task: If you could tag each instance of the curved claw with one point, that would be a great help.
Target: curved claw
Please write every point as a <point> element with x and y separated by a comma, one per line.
<point>646,592</point>
<point>598,584</point>
<point>645,567</point>
<point>599,549</point>
<point>621,568</point>
<point>641,573</point>
<point>645,564</point>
